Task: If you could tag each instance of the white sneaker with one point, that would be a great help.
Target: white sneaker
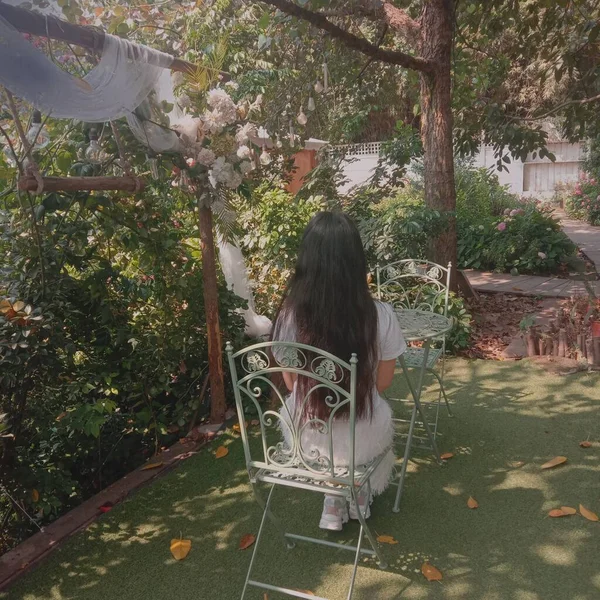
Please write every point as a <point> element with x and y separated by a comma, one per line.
<point>335,513</point>
<point>364,503</point>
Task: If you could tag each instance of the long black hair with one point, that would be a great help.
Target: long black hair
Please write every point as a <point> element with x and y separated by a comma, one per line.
<point>328,304</point>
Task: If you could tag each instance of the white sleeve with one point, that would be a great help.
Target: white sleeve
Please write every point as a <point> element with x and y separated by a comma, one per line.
<point>284,331</point>
<point>391,341</point>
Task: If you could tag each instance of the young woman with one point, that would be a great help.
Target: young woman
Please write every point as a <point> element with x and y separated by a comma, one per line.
<point>328,305</point>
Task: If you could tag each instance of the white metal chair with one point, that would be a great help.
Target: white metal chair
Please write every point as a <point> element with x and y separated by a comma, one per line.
<point>276,463</point>
<point>419,285</point>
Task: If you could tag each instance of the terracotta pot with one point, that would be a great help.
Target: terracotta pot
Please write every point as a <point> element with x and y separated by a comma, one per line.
<point>595,328</point>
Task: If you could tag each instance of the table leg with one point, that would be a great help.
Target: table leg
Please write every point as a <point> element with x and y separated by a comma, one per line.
<point>416,394</point>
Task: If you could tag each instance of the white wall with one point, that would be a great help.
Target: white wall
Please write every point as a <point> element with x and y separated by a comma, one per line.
<point>534,177</point>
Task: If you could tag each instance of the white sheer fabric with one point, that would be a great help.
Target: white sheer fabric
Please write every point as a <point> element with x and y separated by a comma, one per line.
<point>121,81</point>
<point>236,276</point>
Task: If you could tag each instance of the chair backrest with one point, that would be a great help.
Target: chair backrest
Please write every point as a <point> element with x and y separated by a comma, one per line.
<point>415,284</point>
<point>251,371</point>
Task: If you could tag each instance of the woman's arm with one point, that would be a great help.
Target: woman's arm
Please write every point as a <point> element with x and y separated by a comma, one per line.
<point>385,374</point>
<point>289,379</point>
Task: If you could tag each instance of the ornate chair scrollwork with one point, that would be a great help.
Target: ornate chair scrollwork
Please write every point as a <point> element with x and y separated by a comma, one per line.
<point>279,454</point>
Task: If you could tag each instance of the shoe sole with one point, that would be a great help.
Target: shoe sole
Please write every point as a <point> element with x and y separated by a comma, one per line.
<point>330,526</point>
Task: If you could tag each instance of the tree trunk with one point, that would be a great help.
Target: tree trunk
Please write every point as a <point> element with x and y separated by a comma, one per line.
<point>436,124</point>
<point>211,307</point>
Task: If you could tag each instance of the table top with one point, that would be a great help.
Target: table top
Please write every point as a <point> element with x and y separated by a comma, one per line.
<point>422,324</point>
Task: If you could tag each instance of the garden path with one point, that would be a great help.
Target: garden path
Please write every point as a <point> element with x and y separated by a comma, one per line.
<point>586,236</point>
<point>529,285</point>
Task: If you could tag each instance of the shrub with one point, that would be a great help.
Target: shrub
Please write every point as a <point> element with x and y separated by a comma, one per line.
<point>479,194</point>
<point>524,240</point>
<point>102,342</point>
<point>582,199</point>
<point>274,222</point>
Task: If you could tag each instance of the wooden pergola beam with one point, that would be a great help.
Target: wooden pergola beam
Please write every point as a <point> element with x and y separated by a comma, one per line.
<point>48,26</point>
<point>78,184</point>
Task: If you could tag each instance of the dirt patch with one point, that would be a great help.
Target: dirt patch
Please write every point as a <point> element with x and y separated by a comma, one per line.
<point>496,320</point>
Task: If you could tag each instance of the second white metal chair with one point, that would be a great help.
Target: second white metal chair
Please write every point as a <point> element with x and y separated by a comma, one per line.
<point>419,285</point>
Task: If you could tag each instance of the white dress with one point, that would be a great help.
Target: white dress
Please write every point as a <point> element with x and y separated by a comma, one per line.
<point>374,434</point>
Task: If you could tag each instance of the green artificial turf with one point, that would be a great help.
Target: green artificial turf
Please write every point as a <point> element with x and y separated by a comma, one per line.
<point>507,549</point>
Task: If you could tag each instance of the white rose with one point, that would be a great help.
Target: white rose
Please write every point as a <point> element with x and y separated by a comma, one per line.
<point>244,152</point>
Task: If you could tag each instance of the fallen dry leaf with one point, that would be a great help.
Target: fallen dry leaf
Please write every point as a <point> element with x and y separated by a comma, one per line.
<point>307,592</point>
<point>180,548</point>
<point>585,444</point>
<point>35,495</point>
<point>236,426</point>
<point>105,507</point>
<point>447,455</point>
<point>588,514</point>
<point>431,573</point>
<point>150,466</point>
<point>254,422</point>
<point>568,510</point>
<point>247,541</point>
<point>472,503</point>
<point>386,539</point>
<point>557,460</point>
<point>61,416</point>
<point>557,512</point>
<point>221,452</point>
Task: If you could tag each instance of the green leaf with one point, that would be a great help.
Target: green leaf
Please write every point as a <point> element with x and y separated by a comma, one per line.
<point>264,20</point>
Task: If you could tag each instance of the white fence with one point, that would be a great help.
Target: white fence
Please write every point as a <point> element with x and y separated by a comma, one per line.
<point>533,177</point>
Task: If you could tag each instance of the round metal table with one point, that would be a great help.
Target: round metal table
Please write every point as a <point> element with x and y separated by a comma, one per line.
<point>418,326</point>
<point>421,325</point>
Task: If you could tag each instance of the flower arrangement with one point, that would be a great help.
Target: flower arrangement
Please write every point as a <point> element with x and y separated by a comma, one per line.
<point>221,139</point>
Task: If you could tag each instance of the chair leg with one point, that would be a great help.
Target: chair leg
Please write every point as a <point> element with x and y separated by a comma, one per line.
<point>276,522</point>
<point>442,391</point>
<point>364,527</point>
<point>258,536</point>
<point>405,460</point>
<point>355,567</point>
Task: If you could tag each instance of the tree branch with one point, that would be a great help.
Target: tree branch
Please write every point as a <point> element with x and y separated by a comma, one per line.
<point>556,109</point>
<point>395,17</point>
<point>352,41</point>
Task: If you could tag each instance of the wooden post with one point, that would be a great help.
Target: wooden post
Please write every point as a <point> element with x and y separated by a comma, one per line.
<point>211,307</point>
<point>589,347</point>
<point>531,343</point>
<point>580,350</point>
<point>562,342</point>
<point>596,342</point>
<point>542,344</point>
